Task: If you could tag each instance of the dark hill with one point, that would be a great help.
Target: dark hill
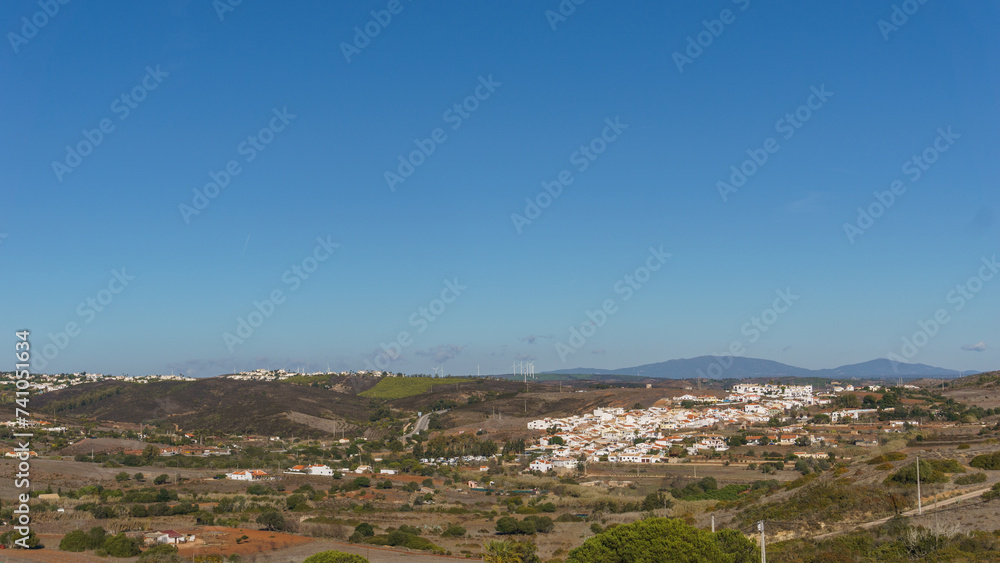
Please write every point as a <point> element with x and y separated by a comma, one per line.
<point>214,404</point>
<point>741,367</point>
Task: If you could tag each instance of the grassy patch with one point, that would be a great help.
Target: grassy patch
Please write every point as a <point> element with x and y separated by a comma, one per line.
<point>402,387</point>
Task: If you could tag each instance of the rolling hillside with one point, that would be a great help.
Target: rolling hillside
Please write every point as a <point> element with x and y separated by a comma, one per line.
<point>215,404</point>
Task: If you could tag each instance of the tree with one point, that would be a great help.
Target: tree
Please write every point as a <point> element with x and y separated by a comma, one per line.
<point>506,525</point>
<point>74,541</point>
<point>122,546</point>
<point>296,501</point>
<point>13,538</point>
<point>365,530</point>
<point>161,479</point>
<point>656,500</point>
<point>662,539</point>
<point>139,477</point>
<point>149,453</point>
<point>850,401</point>
<point>122,477</point>
<point>272,520</point>
<point>334,557</point>
<point>510,551</point>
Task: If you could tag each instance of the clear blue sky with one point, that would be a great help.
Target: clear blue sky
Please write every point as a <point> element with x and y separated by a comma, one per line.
<point>207,83</point>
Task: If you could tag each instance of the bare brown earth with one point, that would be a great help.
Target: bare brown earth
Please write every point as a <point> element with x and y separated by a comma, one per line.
<point>322,424</point>
<point>102,445</point>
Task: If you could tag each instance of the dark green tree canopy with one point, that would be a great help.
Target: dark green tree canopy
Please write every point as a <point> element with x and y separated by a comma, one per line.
<point>662,540</point>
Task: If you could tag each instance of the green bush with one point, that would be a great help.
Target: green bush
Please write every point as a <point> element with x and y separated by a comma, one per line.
<point>907,475</point>
<point>334,557</point>
<point>663,539</point>
<point>160,554</point>
<point>78,540</point>
<point>992,493</point>
<point>971,479</point>
<point>364,529</point>
<point>946,465</point>
<point>986,461</point>
<point>258,490</point>
<point>121,546</point>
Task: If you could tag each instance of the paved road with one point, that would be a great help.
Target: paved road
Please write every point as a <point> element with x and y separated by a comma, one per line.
<point>422,423</point>
<point>930,507</point>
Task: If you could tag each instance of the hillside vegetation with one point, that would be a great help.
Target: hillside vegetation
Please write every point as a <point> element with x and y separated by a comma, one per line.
<point>402,387</point>
<point>213,405</point>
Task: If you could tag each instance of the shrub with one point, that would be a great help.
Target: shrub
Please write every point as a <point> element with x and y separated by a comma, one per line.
<point>121,546</point>
<point>296,501</point>
<point>159,554</point>
<point>970,479</point>
<point>992,493</point>
<point>365,530</point>
<point>333,556</point>
<point>946,465</point>
<point>986,461</point>
<point>259,490</point>
<point>160,479</point>
<point>76,540</point>
<point>663,539</point>
<point>907,475</point>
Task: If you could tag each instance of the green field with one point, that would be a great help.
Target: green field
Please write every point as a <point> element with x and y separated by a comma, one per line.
<point>402,387</point>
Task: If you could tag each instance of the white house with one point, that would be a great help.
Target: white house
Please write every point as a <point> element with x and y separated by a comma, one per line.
<point>564,462</point>
<point>247,475</point>
<point>540,465</point>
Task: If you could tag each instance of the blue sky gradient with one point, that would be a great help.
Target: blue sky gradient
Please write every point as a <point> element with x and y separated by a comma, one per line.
<point>219,80</point>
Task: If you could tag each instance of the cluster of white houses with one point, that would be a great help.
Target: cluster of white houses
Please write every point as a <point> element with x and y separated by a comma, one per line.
<point>647,435</point>
<point>280,374</point>
<point>315,469</point>
<point>44,382</point>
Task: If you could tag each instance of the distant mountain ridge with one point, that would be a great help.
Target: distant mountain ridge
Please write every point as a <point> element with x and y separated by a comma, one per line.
<point>722,367</point>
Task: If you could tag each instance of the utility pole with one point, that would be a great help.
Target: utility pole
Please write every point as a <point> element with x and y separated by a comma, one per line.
<point>713,523</point>
<point>920,506</point>
<point>763,550</point>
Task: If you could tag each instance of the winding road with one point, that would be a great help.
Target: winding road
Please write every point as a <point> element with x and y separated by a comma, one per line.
<point>422,423</point>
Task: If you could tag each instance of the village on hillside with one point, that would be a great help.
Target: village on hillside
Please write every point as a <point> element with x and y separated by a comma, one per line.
<point>652,435</point>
